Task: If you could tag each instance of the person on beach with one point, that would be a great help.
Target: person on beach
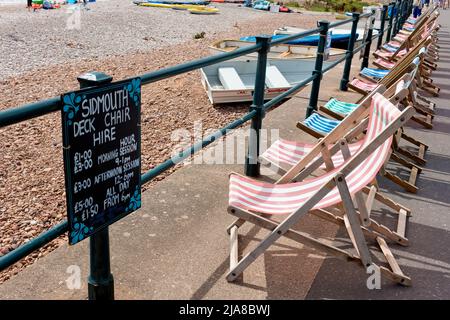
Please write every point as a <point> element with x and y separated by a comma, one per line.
<point>85,4</point>
<point>29,4</point>
<point>417,11</point>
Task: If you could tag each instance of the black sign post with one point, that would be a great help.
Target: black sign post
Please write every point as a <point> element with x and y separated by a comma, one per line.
<point>101,140</point>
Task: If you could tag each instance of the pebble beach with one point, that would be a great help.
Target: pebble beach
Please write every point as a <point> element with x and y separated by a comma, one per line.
<point>42,54</point>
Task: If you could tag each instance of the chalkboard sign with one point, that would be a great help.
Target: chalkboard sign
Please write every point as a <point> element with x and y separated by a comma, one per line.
<point>102,148</point>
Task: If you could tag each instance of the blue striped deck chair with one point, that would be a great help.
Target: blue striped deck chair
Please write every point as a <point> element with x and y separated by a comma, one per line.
<point>338,109</point>
<point>318,125</point>
<point>373,73</point>
<point>390,47</point>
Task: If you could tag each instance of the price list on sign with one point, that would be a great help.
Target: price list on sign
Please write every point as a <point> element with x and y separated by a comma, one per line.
<point>102,155</point>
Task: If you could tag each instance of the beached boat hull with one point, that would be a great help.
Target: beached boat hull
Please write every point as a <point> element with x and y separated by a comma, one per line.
<point>341,35</point>
<point>283,51</point>
<point>294,71</point>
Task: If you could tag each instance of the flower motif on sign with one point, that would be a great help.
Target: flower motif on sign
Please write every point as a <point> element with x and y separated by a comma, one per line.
<point>135,201</point>
<point>80,231</point>
<point>71,106</point>
<point>134,90</point>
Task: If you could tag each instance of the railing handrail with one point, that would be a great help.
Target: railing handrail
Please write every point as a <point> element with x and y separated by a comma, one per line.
<point>28,111</point>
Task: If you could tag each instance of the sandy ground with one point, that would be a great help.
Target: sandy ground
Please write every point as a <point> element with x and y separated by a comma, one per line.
<point>32,195</point>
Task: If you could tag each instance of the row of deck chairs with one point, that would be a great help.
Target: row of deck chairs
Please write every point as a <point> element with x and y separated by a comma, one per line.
<point>335,178</point>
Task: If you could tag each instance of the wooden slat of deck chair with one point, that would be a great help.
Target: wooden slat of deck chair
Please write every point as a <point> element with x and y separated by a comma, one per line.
<point>249,197</point>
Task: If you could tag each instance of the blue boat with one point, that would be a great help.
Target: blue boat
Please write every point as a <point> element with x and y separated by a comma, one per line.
<point>337,40</point>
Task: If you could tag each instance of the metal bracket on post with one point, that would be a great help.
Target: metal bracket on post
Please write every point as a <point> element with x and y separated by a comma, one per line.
<point>252,164</point>
<point>351,46</point>
<point>100,280</point>
<point>314,96</point>
<point>365,61</point>
<point>391,19</point>
<point>382,22</point>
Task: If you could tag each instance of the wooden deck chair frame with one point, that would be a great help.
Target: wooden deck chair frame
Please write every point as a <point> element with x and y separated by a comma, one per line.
<point>354,229</point>
<point>426,110</point>
<point>400,68</point>
<point>410,41</point>
<point>398,154</point>
<point>352,132</point>
<point>418,157</point>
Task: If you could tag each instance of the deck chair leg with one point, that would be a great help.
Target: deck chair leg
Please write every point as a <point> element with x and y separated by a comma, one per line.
<point>352,222</point>
<point>416,158</point>
<point>234,251</point>
<point>419,157</point>
<point>424,121</point>
<point>398,275</point>
<point>297,236</point>
<point>270,239</point>
<point>388,201</point>
<point>374,231</point>
<point>406,185</point>
<point>306,239</point>
<point>237,223</point>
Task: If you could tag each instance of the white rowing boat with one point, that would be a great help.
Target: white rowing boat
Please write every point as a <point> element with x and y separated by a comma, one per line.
<point>281,51</point>
<point>234,81</point>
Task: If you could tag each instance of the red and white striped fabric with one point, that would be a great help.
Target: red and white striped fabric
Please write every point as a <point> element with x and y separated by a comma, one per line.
<point>394,43</point>
<point>290,152</point>
<point>401,37</point>
<point>388,54</point>
<point>366,86</point>
<point>384,63</point>
<point>248,194</point>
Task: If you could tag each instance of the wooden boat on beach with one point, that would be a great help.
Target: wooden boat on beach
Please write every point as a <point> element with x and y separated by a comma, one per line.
<point>282,51</point>
<point>339,37</point>
<point>234,81</point>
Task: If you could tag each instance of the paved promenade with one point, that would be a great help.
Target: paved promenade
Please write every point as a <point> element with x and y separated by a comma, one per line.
<point>176,246</point>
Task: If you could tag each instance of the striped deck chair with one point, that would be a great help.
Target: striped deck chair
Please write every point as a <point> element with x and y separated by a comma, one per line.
<point>364,84</point>
<point>397,48</point>
<point>339,110</point>
<point>421,79</point>
<point>249,198</point>
<point>399,152</point>
<point>373,74</point>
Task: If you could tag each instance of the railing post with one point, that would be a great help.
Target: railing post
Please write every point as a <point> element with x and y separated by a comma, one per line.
<point>397,14</point>
<point>314,97</point>
<point>403,13</point>
<point>251,161</point>
<point>382,22</point>
<point>365,60</point>
<point>391,19</point>
<point>349,53</point>
<point>100,280</point>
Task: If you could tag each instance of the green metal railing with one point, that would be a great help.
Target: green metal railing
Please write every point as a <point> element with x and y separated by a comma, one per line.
<point>255,115</point>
